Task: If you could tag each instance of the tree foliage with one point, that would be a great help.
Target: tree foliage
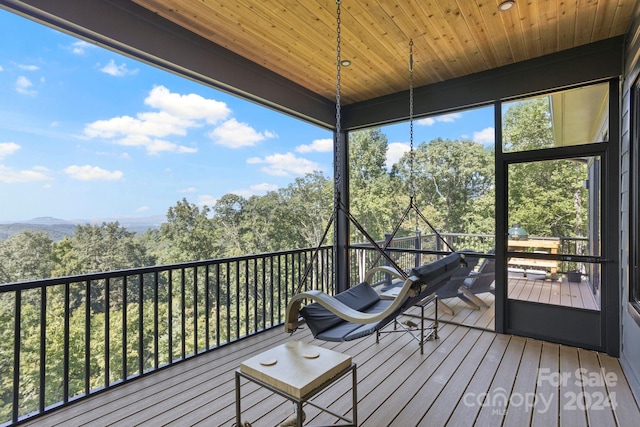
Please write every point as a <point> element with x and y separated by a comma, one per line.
<point>547,198</point>
<point>449,177</point>
<point>26,255</point>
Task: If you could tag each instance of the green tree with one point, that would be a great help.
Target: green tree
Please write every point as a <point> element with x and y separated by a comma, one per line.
<point>306,209</point>
<point>547,198</point>
<point>188,234</point>
<point>228,216</point>
<point>527,125</point>
<point>449,176</point>
<point>263,228</point>
<point>27,255</point>
<point>95,248</point>
<point>372,198</point>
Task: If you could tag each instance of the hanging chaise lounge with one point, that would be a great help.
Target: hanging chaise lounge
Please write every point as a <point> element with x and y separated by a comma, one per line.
<point>359,311</point>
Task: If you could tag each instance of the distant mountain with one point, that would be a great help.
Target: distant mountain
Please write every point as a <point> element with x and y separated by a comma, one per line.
<point>47,220</point>
<point>58,229</point>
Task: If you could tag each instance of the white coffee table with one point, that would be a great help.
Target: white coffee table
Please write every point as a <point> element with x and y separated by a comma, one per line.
<point>298,371</point>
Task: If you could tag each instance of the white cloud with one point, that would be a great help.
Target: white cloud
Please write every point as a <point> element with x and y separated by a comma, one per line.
<point>485,136</point>
<point>187,190</point>
<point>92,173</point>
<point>318,145</point>
<point>235,134</point>
<point>117,70</point>
<point>395,150</point>
<point>206,199</point>
<point>449,118</point>
<point>446,118</point>
<point>142,209</point>
<point>285,164</point>
<point>80,47</point>
<point>158,124</point>
<point>264,187</point>
<point>191,106</point>
<point>25,67</point>
<point>7,148</point>
<point>10,175</point>
<point>1,69</point>
<point>426,122</point>
<point>255,190</point>
<point>178,114</point>
<point>23,86</point>
<point>142,131</point>
<point>155,146</point>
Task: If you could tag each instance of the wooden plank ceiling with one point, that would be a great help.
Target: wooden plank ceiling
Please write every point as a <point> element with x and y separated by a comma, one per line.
<point>452,38</point>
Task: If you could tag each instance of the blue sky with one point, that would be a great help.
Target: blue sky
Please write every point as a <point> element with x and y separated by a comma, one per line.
<point>86,133</point>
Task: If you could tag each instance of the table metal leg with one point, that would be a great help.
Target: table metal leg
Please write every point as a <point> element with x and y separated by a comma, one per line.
<point>354,389</point>
<point>435,323</point>
<point>421,328</point>
<point>238,410</point>
<point>299,413</point>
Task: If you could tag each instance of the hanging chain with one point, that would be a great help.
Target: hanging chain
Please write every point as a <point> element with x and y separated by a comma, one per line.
<point>412,188</point>
<point>338,67</point>
<point>338,143</point>
<point>411,156</point>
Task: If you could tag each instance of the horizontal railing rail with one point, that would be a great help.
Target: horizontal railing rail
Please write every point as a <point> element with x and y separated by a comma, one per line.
<point>70,337</point>
<point>413,251</point>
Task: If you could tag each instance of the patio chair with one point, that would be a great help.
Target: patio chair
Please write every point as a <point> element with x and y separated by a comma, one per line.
<point>481,281</point>
<point>452,289</point>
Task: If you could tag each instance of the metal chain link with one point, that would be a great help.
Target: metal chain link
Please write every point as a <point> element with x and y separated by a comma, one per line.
<point>338,147</point>
<point>412,187</point>
<point>338,144</point>
<point>411,155</point>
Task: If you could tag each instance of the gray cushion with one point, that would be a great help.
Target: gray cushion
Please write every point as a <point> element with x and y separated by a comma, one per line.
<point>435,269</point>
<point>319,319</point>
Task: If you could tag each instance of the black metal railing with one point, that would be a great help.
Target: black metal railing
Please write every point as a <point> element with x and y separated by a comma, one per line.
<point>67,338</point>
<point>71,337</point>
<point>413,251</point>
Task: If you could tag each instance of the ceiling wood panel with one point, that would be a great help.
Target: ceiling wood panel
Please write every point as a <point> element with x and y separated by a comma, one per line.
<point>452,38</point>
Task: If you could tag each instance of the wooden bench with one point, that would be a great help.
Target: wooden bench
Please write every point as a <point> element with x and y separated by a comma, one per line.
<point>547,246</point>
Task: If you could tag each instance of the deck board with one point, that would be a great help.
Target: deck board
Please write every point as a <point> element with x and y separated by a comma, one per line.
<point>468,407</point>
<point>454,390</point>
<point>569,415</point>
<point>396,385</point>
<point>502,384</point>
<point>594,390</point>
<point>547,405</point>
<point>525,382</point>
<point>553,291</point>
<point>430,378</point>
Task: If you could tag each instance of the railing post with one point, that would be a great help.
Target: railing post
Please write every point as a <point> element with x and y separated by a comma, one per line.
<point>17,334</point>
<point>418,246</point>
<point>341,174</point>
<point>387,276</point>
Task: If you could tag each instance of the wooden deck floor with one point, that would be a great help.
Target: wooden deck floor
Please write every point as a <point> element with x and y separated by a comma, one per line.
<point>396,386</point>
<point>557,292</point>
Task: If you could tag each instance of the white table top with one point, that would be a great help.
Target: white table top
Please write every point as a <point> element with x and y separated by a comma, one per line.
<point>296,367</point>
